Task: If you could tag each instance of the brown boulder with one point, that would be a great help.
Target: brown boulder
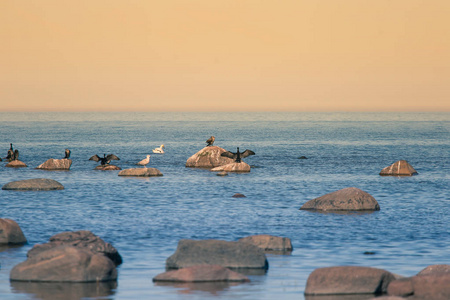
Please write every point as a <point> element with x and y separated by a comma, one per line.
<point>401,287</point>
<point>435,269</point>
<point>81,239</point>
<point>10,232</point>
<point>348,199</point>
<point>434,286</point>
<point>208,157</point>
<point>269,242</point>
<point>37,184</point>
<point>56,164</point>
<point>348,280</point>
<point>107,168</point>
<point>241,167</point>
<point>201,273</point>
<point>16,164</point>
<point>141,172</point>
<point>65,264</point>
<point>399,168</point>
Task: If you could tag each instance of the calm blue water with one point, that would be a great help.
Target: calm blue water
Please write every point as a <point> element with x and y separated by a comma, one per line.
<point>145,218</point>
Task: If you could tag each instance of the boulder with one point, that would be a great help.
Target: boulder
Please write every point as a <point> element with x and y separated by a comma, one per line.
<point>387,298</point>
<point>56,164</point>
<point>81,239</point>
<point>269,242</point>
<point>107,168</point>
<point>239,195</point>
<point>433,286</point>
<point>226,254</point>
<point>65,264</point>
<point>37,184</point>
<point>233,167</point>
<point>201,273</point>
<point>401,287</point>
<point>208,157</point>
<point>348,199</point>
<point>435,269</point>
<point>399,168</point>
<point>10,232</point>
<point>348,280</point>
<point>16,164</point>
<point>141,172</point>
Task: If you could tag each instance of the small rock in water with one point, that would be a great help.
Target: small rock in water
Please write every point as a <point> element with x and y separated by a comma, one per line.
<point>238,195</point>
<point>369,253</point>
<point>302,157</point>
<point>223,173</point>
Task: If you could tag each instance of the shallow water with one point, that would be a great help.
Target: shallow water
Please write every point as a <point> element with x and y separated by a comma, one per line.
<point>145,218</point>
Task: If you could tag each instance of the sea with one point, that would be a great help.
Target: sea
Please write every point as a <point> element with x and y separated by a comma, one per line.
<point>145,218</point>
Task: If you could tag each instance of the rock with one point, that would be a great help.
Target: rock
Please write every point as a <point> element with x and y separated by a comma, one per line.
<point>233,167</point>
<point>208,157</point>
<point>269,242</point>
<point>56,164</point>
<point>387,298</point>
<point>348,280</point>
<point>349,199</point>
<point>226,254</point>
<point>201,273</point>
<point>144,172</point>
<point>401,287</point>
<point>107,168</point>
<point>434,286</point>
<point>238,195</point>
<point>10,232</point>
<point>435,269</point>
<point>302,157</point>
<point>399,168</point>
<point>223,173</point>
<point>37,184</point>
<point>16,164</point>
<point>81,239</point>
<point>65,264</point>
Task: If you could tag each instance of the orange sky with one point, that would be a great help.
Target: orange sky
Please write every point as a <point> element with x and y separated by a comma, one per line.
<point>225,55</point>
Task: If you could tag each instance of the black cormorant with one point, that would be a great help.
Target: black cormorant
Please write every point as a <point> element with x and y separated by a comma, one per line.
<point>238,155</point>
<point>105,160</point>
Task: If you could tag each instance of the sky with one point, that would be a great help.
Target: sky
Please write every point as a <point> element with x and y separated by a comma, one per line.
<point>225,55</point>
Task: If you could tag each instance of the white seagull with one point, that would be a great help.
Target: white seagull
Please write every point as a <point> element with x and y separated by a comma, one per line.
<point>145,161</point>
<point>160,149</point>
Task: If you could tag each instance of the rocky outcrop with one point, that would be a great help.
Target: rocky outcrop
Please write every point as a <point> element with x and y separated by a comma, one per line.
<point>37,184</point>
<point>348,280</point>
<point>141,172</point>
<point>107,168</point>
<point>11,233</point>
<point>201,273</point>
<point>16,164</point>
<point>399,168</point>
<point>208,157</point>
<point>56,164</point>
<point>233,167</point>
<point>348,199</point>
<point>269,242</point>
<point>65,264</point>
<point>81,239</point>
<point>226,254</point>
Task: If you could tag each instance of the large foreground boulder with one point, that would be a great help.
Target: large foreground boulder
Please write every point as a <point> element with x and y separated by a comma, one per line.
<point>141,172</point>
<point>269,242</point>
<point>201,273</point>
<point>208,157</point>
<point>348,199</point>
<point>81,239</point>
<point>11,233</point>
<point>37,184</point>
<point>233,167</point>
<point>399,168</point>
<point>16,164</point>
<point>216,252</point>
<point>65,264</point>
<point>56,164</point>
<point>348,280</point>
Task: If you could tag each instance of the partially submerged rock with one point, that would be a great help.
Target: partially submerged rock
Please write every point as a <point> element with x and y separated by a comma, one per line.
<point>16,164</point>
<point>37,184</point>
<point>233,167</point>
<point>11,233</point>
<point>56,164</point>
<point>201,273</point>
<point>239,195</point>
<point>348,199</point>
<point>107,168</point>
<point>269,242</point>
<point>208,157</point>
<point>433,286</point>
<point>399,168</point>
<point>141,172</point>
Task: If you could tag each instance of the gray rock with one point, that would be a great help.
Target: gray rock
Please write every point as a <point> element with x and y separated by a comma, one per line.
<point>399,168</point>
<point>201,273</point>
<point>208,157</point>
<point>141,172</point>
<point>11,233</point>
<point>241,167</point>
<point>37,184</point>
<point>16,164</point>
<point>348,199</point>
<point>56,164</point>
<point>269,242</point>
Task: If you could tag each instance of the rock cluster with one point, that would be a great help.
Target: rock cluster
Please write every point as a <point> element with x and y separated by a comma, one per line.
<point>56,164</point>
<point>11,233</point>
<point>141,172</point>
<point>399,168</point>
<point>37,184</point>
<point>209,157</point>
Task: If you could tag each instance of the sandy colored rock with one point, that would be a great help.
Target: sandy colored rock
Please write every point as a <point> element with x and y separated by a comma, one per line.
<point>56,164</point>
<point>65,264</point>
<point>435,269</point>
<point>11,233</point>
<point>141,172</point>
<point>16,164</point>
<point>107,168</point>
<point>233,167</point>
<point>201,273</point>
<point>269,242</point>
<point>348,199</point>
<point>208,157</point>
<point>37,184</point>
<point>399,168</point>
<point>348,280</point>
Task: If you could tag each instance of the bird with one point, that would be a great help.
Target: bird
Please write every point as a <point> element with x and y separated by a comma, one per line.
<point>105,160</point>
<point>145,161</point>
<point>67,154</point>
<point>10,154</point>
<point>210,141</point>
<point>160,149</point>
<point>16,155</point>
<point>238,155</point>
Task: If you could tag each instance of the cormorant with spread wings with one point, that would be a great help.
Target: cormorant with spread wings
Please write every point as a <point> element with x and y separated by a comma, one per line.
<point>238,155</point>
<point>105,160</point>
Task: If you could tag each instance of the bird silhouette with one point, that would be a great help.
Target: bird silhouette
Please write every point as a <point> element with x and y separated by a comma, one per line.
<point>238,155</point>
<point>105,160</point>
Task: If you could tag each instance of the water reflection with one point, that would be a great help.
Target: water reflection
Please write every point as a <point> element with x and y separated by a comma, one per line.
<point>10,246</point>
<point>191,287</point>
<point>65,291</point>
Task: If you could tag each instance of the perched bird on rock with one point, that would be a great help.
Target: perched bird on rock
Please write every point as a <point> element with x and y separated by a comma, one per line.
<point>67,154</point>
<point>10,154</point>
<point>16,155</point>
<point>160,149</point>
<point>105,160</point>
<point>210,141</point>
<point>238,155</point>
<point>145,161</point>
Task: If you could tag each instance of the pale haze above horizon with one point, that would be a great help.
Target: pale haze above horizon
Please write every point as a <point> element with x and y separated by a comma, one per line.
<point>225,55</point>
